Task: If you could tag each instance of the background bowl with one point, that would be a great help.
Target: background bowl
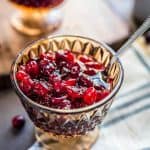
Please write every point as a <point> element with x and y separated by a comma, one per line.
<point>36,20</point>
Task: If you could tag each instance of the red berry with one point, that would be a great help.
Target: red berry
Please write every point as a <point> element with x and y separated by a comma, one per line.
<point>54,77</point>
<point>90,96</point>
<point>74,92</point>
<point>60,56</point>
<point>32,68</point>
<point>90,72</point>
<point>18,122</point>
<point>46,67</point>
<point>57,86</point>
<point>70,82</point>
<point>57,100</point>
<point>26,85</point>
<point>69,56</point>
<point>64,55</point>
<point>85,59</point>
<point>95,65</point>
<point>40,88</point>
<point>65,72</point>
<point>102,94</point>
<point>78,104</point>
<point>61,102</point>
<point>84,81</point>
<point>20,75</point>
<point>64,104</point>
<point>75,70</point>
<point>49,56</point>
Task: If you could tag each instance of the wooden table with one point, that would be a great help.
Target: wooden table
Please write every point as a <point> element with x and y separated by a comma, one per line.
<point>83,17</point>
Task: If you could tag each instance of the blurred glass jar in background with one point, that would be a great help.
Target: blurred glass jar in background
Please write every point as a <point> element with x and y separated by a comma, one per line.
<point>141,10</point>
<point>36,17</point>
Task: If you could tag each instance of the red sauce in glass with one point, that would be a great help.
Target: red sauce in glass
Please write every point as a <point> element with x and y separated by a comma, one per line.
<point>61,80</point>
<point>38,3</point>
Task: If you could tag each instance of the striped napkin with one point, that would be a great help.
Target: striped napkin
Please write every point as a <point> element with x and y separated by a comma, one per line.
<point>127,125</point>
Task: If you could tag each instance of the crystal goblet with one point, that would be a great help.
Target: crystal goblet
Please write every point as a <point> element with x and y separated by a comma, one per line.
<point>74,128</point>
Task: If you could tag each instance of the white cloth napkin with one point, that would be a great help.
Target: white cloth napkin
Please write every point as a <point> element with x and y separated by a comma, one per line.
<point>127,125</point>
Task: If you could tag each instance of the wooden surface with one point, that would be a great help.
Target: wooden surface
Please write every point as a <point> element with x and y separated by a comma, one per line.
<point>88,18</point>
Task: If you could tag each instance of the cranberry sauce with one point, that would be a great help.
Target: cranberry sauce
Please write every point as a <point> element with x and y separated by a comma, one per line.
<point>38,3</point>
<point>62,80</point>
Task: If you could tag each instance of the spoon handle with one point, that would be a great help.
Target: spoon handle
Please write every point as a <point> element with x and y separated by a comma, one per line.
<point>137,33</point>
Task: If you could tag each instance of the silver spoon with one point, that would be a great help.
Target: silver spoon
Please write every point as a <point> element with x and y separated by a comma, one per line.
<point>98,79</point>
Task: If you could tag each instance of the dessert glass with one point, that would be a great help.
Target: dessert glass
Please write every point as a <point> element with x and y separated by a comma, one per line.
<point>35,21</point>
<point>59,129</point>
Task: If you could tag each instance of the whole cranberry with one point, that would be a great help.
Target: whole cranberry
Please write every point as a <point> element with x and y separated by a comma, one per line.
<point>40,88</point>
<point>32,68</point>
<point>84,81</point>
<point>90,96</point>
<point>69,56</point>
<point>46,67</point>
<point>102,94</point>
<point>61,104</point>
<point>77,104</point>
<point>65,72</point>
<point>95,65</point>
<point>26,85</point>
<point>20,75</point>
<point>18,121</point>
<point>90,72</point>
<point>58,86</point>
<point>70,82</point>
<point>50,56</point>
<point>74,92</point>
<point>85,59</point>
<point>64,55</point>
<point>75,70</point>
<point>55,76</point>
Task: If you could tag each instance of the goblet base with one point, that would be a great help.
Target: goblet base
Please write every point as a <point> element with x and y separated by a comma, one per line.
<point>50,141</point>
<point>36,23</point>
